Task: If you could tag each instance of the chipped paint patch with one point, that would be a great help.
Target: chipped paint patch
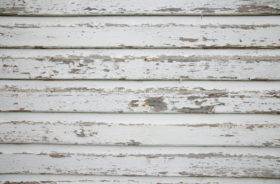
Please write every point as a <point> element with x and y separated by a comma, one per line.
<point>188,39</point>
<point>157,103</point>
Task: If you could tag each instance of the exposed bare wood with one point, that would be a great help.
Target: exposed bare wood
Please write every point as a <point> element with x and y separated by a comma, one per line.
<point>131,64</point>
<point>135,129</point>
<point>77,179</point>
<point>140,32</point>
<point>133,96</point>
<point>135,7</point>
<point>143,161</point>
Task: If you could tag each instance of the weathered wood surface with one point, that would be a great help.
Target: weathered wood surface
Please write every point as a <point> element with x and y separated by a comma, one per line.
<point>136,129</point>
<point>140,161</point>
<point>140,32</point>
<point>76,179</point>
<point>142,97</point>
<point>135,7</point>
<point>135,64</point>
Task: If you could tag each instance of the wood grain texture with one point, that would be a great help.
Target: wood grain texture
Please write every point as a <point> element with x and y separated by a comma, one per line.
<point>140,32</point>
<point>135,129</point>
<point>143,161</point>
<point>135,64</point>
<point>77,179</point>
<point>134,7</point>
<point>141,97</point>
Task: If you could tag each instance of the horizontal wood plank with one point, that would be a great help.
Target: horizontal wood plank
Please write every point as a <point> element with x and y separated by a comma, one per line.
<point>135,64</point>
<point>135,7</point>
<point>143,161</point>
<point>140,32</point>
<point>135,129</point>
<point>139,96</point>
<point>78,179</point>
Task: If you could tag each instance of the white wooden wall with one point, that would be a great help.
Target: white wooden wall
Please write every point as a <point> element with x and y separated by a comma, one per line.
<point>147,92</point>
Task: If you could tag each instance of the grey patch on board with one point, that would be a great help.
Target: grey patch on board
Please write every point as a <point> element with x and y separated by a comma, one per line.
<point>133,103</point>
<point>90,9</point>
<point>156,103</point>
<point>202,109</point>
<point>170,10</point>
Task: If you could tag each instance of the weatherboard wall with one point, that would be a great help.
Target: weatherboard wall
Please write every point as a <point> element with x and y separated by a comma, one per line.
<point>143,92</point>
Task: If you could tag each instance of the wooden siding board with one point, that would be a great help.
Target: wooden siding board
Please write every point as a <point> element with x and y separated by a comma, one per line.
<point>144,64</point>
<point>140,32</point>
<point>76,179</point>
<point>140,161</point>
<point>136,129</point>
<point>140,96</point>
<point>135,7</point>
